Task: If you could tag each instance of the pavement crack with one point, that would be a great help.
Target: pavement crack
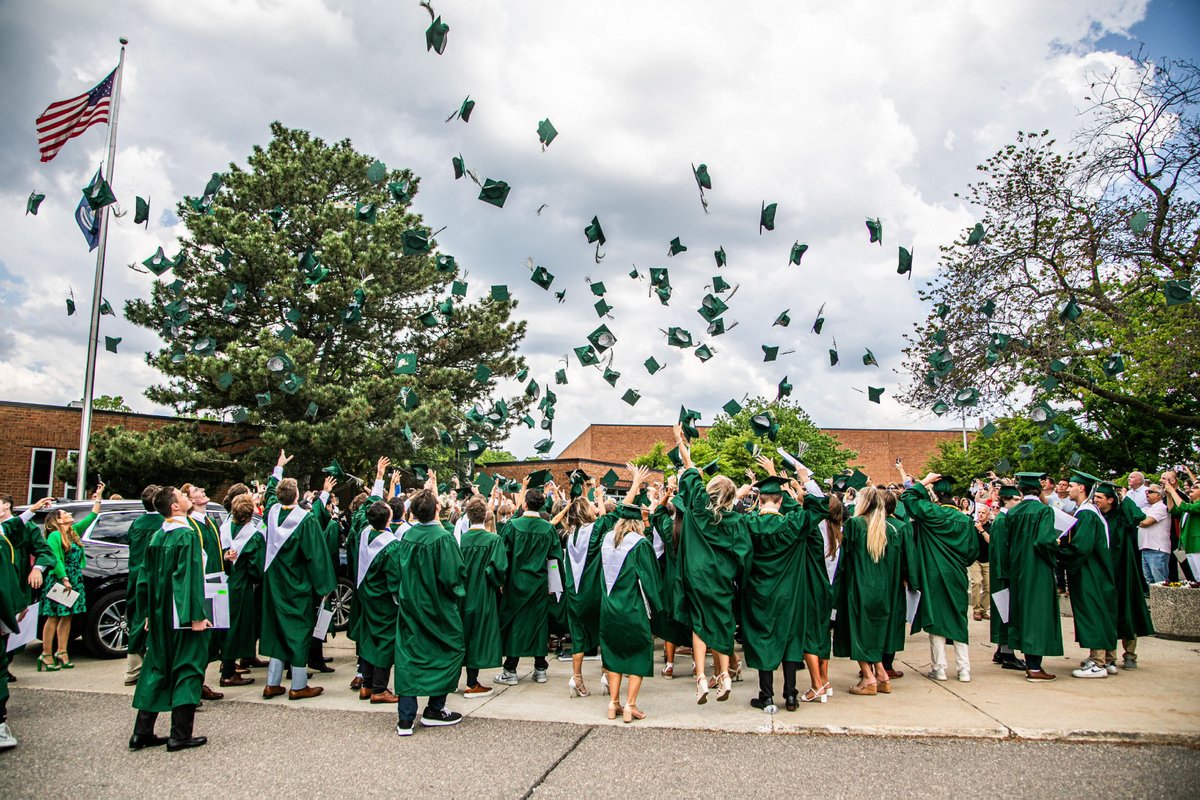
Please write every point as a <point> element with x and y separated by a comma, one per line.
<point>557,761</point>
<point>1009,733</point>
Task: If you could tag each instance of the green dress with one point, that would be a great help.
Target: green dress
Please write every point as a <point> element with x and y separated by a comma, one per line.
<point>581,572</point>
<point>171,585</point>
<point>1086,559</point>
<point>296,575</point>
<point>998,575</point>
<point>429,630</point>
<point>865,592</point>
<point>68,563</point>
<point>245,576</point>
<point>1030,549</point>
<point>375,594</point>
<point>946,543</point>
<point>12,601</point>
<point>629,597</point>
<point>715,555</point>
<point>665,625</point>
<point>1133,615</point>
<point>140,531</point>
<point>486,564</point>
<point>529,543</point>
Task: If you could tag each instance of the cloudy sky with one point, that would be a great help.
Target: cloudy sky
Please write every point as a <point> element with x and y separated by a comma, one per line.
<point>837,112</point>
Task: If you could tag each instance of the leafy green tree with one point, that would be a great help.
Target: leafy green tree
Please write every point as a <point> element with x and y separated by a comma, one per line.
<point>110,403</point>
<point>302,278</point>
<point>490,456</point>
<point>655,459</point>
<point>174,454</point>
<point>1058,296</point>
<point>985,455</point>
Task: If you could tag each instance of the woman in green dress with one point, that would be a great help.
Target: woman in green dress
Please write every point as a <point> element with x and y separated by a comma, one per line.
<point>63,537</point>
<point>629,597</point>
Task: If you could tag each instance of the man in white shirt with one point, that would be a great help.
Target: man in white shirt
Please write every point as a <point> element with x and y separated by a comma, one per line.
<point>1060,499</point>
<point>1154,538</point>
<point>1137,490</point>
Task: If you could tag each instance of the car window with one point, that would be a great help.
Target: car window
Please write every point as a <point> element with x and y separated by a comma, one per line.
<point>112,527</point>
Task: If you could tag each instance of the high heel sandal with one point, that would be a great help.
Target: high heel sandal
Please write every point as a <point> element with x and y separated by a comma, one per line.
<point>828,689</point>
<point>814,696</point>
<point>736,673</point>
<point>47,666</point>
<point>614,706</point>
<point>701,689</point>
<point>575,684</point>
<point>883,687</point>
<point>65,662</point>
<point>632,712</point>
<point>866,689</point>
<point>726,686</point>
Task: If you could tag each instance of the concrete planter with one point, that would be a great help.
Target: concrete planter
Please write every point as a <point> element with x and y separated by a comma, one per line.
<point>1176,612</point>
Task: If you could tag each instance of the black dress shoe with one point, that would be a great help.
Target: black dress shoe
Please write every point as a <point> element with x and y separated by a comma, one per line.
<point>138,741</point>
<point>183,744</point>
<point>791,702</point>
<point>320,668</point>
<point>12,678</point>
<point>327,659</point>
<point>1013,663</point>
<point>762,702</point>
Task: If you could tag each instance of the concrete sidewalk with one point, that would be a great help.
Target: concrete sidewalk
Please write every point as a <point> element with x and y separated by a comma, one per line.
<point>1159,702</point>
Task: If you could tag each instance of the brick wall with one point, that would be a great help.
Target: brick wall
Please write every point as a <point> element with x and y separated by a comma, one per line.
<point>561,469</point>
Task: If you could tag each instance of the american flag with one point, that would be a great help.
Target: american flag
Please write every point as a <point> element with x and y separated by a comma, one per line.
<point>67,119</point>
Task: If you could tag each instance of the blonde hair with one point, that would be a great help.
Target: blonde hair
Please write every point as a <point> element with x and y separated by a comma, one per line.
<point>722,493</point>
<point>67,533</point>
<point>626,526</point>
<point>870,504</point>
<point>580,513</point>
<point>489,521</point>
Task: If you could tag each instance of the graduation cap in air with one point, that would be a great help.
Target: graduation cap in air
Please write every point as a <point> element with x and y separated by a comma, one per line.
<point>443,262</point>
<point>720,285</point>
<point>595,235</point>
<point>1025,450</point>
<point>988,308</point>
<point>587,355</point>
<point>939,337</point>
<point>1177,292</point>
<point>1042,414</point>
<point>499,292</point>
<point>560,377</point>
<point>34,201</point>
<point>464,111</point>
<point>428,319</point>
<point>675,458</point>
<point>732,408</point>
<point>941,310</point>
<point>445,438</point>
<point>712,307</point>
<point>414,242</point>
<point>1114,365</point>
<point>717,327</point>
<point>475,446</point>
<point>400,191</point>
<point>111,342</point>
<point>631,396</point>
<point>833,354</point>
<point>687,418</point>
<point>873,393</point>
<point>1055,434</point>
<point>770,352</point>
<point>293,383</point>
<point>976,235</point>
<point>783,320</point>
<point>663,292</point>
<point>485,483</point>
<point>335,471</point>
<point>377,172</point>
<point>703,181</point>
<point>1075,460</point>
<point>704,353</point>
<point>766,217</point>
<point>482,373</point>
<point>678,337</point>
<point>784,389</point>
<point>676,247</point>
<point>652,365</point>
<point>240,415</point>
<point>408,398</point>
<point>988,431</point>
<point>905,264</point>
<point>159,263</point>
<point>280,363</point>
<point>106,308</point>
<point>436,33</point>
<point>458,288</point>
<point>820,321</point>
<point>763,424</point>
<point>70,307</point>
<point>542,277</point>
<point>365,212</point>
<point>561,296</point>
<point>204,346</point>
<point>543,446</point>
<point>406,364</point>
<point>609,479</point>
<point>940,408</point>
<point>224,381</point>
<point>494,192</point>
<point>797,253</point>
<point>611,376</point>
<point>546,133</point>
<point>310,413</point>
<point>1139,222</point>
<point>602,307</point>
<point>875,228</point>
<point>869,360</point>
<point>98,193</point>
<point>964,398</point>
<point>720,256</point>
<point>602,338</point>
<point>1071,311</point>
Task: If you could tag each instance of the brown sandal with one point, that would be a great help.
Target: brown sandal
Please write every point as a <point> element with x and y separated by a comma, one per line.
<point>864,689</point>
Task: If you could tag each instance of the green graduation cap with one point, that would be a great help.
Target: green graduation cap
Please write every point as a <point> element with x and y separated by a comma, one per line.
<point>240,415</point>
<point>292,383</point>
<point>797,253</point>
<point>770,352</point>
<point>784,389</point>
<point>988,431</point>
<point>594,233</point>
<point>1114,365</point>
<point>602,338</point>
<point>546,133</point>
<point>688,416</point>
<point>560,377</point>
<point>875,228</point>
<point>542,277</point>
<point>833,354</point>
<point>720,256</point>
<point>1010,493</point>
<point>712,307</point>
<point>205,346</point>
<point>460,166</point>
<point>678,337</point>
<point>1057,366</point>
<point>1075,460</point>
<point>732,408</point>
<point>628,511</point>
<point>414,242</point>
<point>941,310</point>
<point>1071,311</point>
<point>676,247</point>
<point>1139,222</point>
<point>400,191</point>
<point>98,193</point>
<point>543,446</point>
<point>988,308</point>
<point>820,321</point>
<point>263,398</point>
<point>868,359</point>
<point>443,262</point>
<point>494,192</point>
<point>711,467</point>
<point>764,424</point>
<point>476,445</point>
<point>702,177</point>
<point>1025,450</point>
<point>1042,414</point>
<point>716,327</point>
<point>652,365</point>
<point>976,235</point>
<point>633,273</point>
<point>408,398</point>
<point>611,376</point>
<point>310,413</point>
<point>674,457</point>
<point>1055,434</point>
<point>365,212</point>
<point>704,353</point>
<point>106,308</point>
<point>159,263</point>
<point>464,112</point>
<point>1029,481</point>
<point>429,318</point>
<point>943,485</point>
<point>602,307</point>
<point>587,355</point>
<point>35,200</point>
<point>499,292</point>
<point>964,398</point>
<point>435,34</point>
<point>939,337</point>
<point>940,408</point>
<point>1177,292</point>
<point>317,275</point>
<point>532,389</point>
<point>377,172</point>
<point>1083,478</point>
<point>482,373</point>
<point>597,288</point>
<point>111,342</point>
<point>783,320</point>
<point>458,288</point>
<point>873,393</point>
<point>766,217</point>
<point>664,293</point>
<point>609,479</point>
<point>660,276</point>
<point>905,264</point>
<point>719,284</point>
<point>528,422</point>
<point>224,381</point>
<point>485,483</point>
<point>631,397</point>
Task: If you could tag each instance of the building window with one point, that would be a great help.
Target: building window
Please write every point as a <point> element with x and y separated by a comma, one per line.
<point>41,474</point>
<point>69,488</point>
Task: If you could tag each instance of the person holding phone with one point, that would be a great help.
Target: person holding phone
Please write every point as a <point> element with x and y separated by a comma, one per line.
<point>63,538</point>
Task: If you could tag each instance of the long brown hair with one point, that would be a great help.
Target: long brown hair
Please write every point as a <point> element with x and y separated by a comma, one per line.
<point>69,536</point>
<point>837,515</point>
<point>580,513</point>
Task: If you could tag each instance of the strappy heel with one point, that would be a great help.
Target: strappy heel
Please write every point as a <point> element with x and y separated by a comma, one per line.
<point>65,662</point>
<point>47,666</point>
<point>632,712</point>
<point>814,696</point>
<point>614,706</point>
<point>577,687</point>
<point>701,689</point>
<point>726,686</point>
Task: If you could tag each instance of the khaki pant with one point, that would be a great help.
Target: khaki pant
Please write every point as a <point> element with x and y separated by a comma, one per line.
<point>133,667</point>
<point>981,594</point>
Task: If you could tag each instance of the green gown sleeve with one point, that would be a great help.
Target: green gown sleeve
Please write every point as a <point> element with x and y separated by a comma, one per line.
<point>648,576</point>
<point>451,571</point>
<point>497,566</point>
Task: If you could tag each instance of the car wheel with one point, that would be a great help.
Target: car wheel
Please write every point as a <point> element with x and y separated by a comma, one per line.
<point>106,631</point>
<point>339,603</point>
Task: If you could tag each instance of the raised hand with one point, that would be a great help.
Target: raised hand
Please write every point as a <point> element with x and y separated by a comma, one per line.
<point>330,482</point>
<point>381,467</point>
<point>283,459</point>
<point>766,463</point>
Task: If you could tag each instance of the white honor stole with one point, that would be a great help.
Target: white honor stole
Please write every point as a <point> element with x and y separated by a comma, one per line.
<point>170,525</point>
<point>613,558</point>
<point>279,529</point>
<point>577,552</point>
<point>1091,507</point>
<point>238,544</point>
<point>367,550</point>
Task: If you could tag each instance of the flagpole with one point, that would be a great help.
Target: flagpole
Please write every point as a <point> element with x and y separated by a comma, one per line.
<point>89,381</point>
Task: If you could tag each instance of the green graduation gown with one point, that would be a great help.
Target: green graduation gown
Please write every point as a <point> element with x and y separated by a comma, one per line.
<point>358,522</point>
<point>1133,616</point>
<point>140,531</point>
<point>172,583</point>
<point>946,543</point>
<point>296,575</point>
<point>817,603</point>
<point>12,602</point>
<point>910,568</point>
<point>29,545</point>
<point>629,597</point>
<point>1086,559</point>
<point>581,580</point>
<point>998,575</point>
<point>665,625</point>
<point>865,592</point>
<point>529,543</point>
<point>773,592</point>
<point>1030,550</point>
<point>245,577</point>
<point>714,556</point>
<point>375,594</point>
<point>486,563</point>
<point>429,630</point>
<point>213,562</point>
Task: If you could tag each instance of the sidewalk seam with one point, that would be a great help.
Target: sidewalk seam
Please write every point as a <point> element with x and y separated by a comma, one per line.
<point>1008,731</point>
<point>557,761</point>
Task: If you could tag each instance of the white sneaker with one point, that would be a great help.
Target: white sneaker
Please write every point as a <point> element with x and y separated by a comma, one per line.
<point>507,678</point>
<point>964,675</point>
<point>7,740</point>
<point>404,728</point>
<point>1111,668</point>
<point>1090,669</point>
<point>539,676</point>
<point>937,674</point>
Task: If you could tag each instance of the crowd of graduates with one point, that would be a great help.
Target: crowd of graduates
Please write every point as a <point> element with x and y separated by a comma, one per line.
<point>476,578</point>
